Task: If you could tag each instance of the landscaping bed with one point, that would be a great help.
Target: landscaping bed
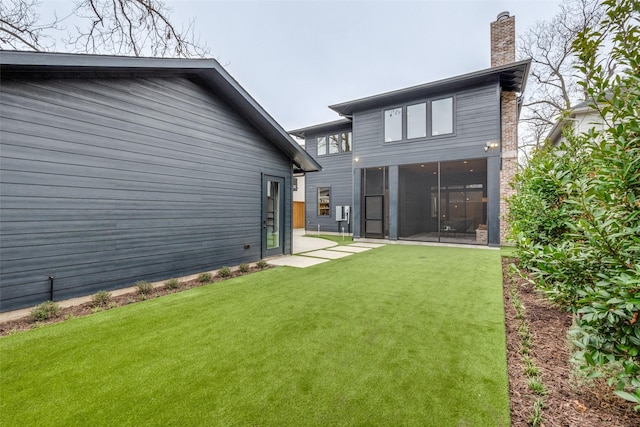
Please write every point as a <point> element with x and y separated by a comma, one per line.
<point>27,322</point>
<point>569,400</point>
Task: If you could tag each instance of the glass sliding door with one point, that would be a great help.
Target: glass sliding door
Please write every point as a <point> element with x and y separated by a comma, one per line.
<point>443,202</point>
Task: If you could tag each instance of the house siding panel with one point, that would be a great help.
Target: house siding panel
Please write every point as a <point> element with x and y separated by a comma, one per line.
<point>337,174</point>
<point>476,121</point>
<point>108,181</point>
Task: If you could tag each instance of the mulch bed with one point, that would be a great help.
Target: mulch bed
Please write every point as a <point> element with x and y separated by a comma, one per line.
<point>26,323</point>
<point>570,401</point>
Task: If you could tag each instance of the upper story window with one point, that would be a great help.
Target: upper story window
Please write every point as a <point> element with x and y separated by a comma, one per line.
<point>417,120</point>
<point>321,144</point>
<point>345,137</point>
<point>334,144</point>
<point>423,120</point>
<point>393,125</point>
<point>442,116</point>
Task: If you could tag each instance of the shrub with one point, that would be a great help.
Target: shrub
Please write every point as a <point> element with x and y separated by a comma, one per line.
<point>576,214</point>
<point>205,277</point>
<point>172,284</point>
<point>45,311</point>
<point>244,268</point>
<point>143,287</point>
<point>101,298</point>
<point>262,264</point>
<point>224,272</point>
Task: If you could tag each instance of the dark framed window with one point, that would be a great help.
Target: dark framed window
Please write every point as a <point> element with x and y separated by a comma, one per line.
<point>334,144</point>
<point>345,138</point>
<point>393,124</point>
<point>324,201</point>
<point>417,120</point>
<point>442,116</point>
<point>321,145</point>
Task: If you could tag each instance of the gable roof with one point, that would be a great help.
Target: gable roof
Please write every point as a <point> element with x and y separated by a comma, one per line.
<point>210,72</point>
<point>511,77</point>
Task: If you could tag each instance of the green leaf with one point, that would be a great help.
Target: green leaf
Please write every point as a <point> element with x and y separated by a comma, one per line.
<point>635,398</point>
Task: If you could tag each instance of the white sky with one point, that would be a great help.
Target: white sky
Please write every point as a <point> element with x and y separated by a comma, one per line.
<point>297,57</point>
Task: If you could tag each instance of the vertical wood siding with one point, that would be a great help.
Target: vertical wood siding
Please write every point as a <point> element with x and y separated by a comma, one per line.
<point>108,181</point>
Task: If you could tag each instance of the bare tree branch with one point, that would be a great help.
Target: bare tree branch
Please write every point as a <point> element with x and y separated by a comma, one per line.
<point>121,27</point>
<point>553,88</point>
<point>20,27</point>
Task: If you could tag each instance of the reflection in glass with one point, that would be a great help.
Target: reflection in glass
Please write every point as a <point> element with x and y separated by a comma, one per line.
<point>442,116</point>
<point>334,147</point>
<point>322,145</point>
<point>417,121</point>
<point>273,214</point>
<point>393,125</point>
<point>346,142</point>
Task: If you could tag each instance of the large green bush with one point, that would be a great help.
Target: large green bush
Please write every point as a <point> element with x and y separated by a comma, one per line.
<point>576,215</point>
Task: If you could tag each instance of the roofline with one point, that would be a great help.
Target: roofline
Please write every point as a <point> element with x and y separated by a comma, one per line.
<point>209,70</point>
<point>322,127</point>
<point>511,77</point>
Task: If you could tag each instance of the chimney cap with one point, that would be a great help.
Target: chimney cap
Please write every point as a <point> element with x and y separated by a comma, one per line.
<point>502,15</point>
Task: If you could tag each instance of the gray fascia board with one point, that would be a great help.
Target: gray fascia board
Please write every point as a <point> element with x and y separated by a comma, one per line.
<point>516,73</point>
<point>322,127</point>
<point>211,72</point>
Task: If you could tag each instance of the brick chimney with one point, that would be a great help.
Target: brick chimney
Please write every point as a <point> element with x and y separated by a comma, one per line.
<point>503,51</point>
<point>503,40</point>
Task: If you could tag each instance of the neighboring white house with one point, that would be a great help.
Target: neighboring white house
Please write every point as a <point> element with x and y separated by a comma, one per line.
<point>582,118</point>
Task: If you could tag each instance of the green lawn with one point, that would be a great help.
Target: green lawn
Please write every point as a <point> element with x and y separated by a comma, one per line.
<point>401,335</point>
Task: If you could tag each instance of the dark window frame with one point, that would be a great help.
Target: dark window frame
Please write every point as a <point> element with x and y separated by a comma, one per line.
<point>340,143</point>
<point>429,122</point>
<point>328,207</point>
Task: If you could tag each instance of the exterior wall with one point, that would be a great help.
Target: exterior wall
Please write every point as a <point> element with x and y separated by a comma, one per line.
<point>298,195</point>
<point>337,173</point>
<point>476,121</point>
<point>503,45</point>
<point>110,181</point>
<point>588,120</point>
<point>509,157</point>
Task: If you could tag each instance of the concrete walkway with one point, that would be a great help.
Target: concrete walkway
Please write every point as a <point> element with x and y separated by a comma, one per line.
<point>309,251</point>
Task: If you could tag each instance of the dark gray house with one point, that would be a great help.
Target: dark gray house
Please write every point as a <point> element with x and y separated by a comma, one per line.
<point>117,169</point>
<point>426,163</point>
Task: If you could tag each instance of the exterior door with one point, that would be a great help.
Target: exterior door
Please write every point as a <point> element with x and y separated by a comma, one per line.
<point>374,217</point>
<point>272,216</point>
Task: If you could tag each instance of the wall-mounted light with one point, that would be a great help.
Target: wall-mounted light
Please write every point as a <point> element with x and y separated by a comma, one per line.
<point>491,144</point>
<point>356,160</point>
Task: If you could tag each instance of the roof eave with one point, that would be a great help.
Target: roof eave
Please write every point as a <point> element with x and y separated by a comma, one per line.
<point>511,77</point>
<point>322,127</point>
